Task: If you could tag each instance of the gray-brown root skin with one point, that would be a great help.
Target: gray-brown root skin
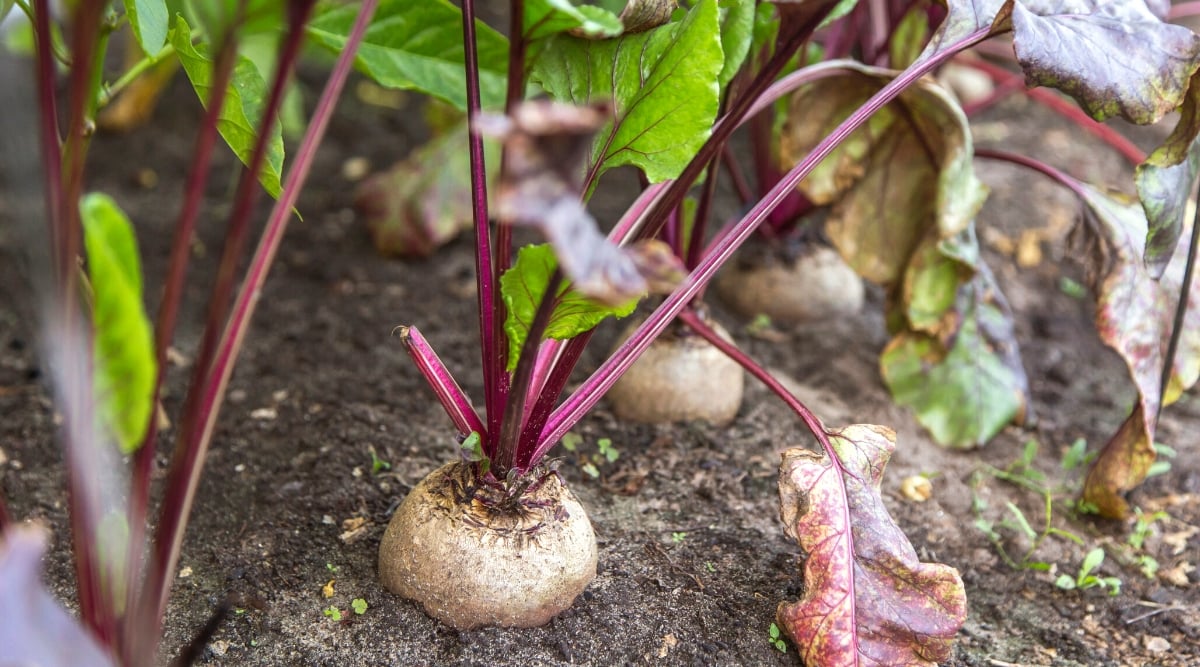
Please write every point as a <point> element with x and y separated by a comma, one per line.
<point>471,565</point>
<point>818,284</point>
<point>679,379</point>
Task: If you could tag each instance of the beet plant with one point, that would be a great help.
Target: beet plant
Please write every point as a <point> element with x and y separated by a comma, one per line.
<point>869,137</point>
<point>107,360</point>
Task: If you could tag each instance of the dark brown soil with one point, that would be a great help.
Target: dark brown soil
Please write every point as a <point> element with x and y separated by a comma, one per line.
<point>693,559</point>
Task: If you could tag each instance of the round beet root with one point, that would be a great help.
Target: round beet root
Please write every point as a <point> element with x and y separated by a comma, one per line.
<point>811,286</point>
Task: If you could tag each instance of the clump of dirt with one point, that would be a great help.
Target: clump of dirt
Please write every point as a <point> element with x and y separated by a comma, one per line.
<point>693,560</point>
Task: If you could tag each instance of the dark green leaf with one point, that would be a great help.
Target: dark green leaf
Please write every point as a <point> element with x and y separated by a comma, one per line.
<point>149,20</point>
<point>522,287</point>
<point>418,45</point>
<point>125,367</point>
<point>660,86</point>
<point>243,108</point>
<point>1114,57</point>
<point>544,18</point>
<point>966,387</point>
<point>1164,182</point>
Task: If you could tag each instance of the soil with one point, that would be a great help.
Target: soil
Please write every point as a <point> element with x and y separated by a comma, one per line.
<point>693,559</point>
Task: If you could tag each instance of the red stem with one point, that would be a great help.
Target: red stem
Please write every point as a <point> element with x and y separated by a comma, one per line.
<point>740,184</point>
<point>494,376</point>
<point>168,312</point>
<point>453,399</point>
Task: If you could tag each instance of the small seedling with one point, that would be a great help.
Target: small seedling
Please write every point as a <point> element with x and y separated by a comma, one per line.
<point>359,606</point>
<point>1077,455</point>
<point>378,465</point>
<point>607,453</point>
<point>775,636</point>
<point>1143,527</point>
<point>1072,288</point>
<point>1085,579</point>
<point>333,613</point>
<point>331,567</point>
<point>1161,467</point>
<point>708,565</point>
<point>607,450</point>
<point>678,537</point>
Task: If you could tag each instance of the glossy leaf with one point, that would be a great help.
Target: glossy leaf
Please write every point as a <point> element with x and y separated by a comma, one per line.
<point>868,599</point>
<point>424,201</point>
<point>125,366</point>
<point>659,87</point>
<point>1114,57</point>
<point>1134,316</point>
<point>35,629</point>
<point>544,18</point>
<point>522,288</point>
<point>418,45</point>
<point>243,108</point>
<point>908,170</point>
<point>1164,182</point>
<point>149,20</point>
<point>541,188</point>
<point>968,382</point>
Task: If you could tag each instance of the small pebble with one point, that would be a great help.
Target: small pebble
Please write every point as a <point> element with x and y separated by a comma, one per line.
<point>1155,644</point>
<point>185,572</point>
<point>264,414</point>
<point>355,168</point>
<point>916,488</point>
<point>241,467</point>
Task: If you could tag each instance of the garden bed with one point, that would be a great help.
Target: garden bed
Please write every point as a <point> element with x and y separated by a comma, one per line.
<point>693,559</point>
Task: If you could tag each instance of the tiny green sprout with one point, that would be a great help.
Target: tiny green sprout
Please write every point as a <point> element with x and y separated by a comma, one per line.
<point>378,465</point>
<point>571,441</point>
<point>333,613</point>
<point>678,537</point>
<point>708,565</point>
<point>1161,467</point>
<point>359,605</point>
<point>238,611</point>
<point>590,470</point>
<point>331,567</point>
<point>1085,579</point>
<point>607,450</point>
<point>1077,455</point>
<point>253,643</point>
<point>1071,288</point>
<point>775,636</point>
<point>1143,527</point>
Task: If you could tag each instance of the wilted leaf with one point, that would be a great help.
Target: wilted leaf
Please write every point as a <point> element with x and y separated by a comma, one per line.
<point>522,288</point>
<point>1164,182</point>
<point>125,366</point>
<point>1134,316</point>
<point>423,202</point>
<point>968,382</point>
<point>419,45</point>
<point>642,15</point>
<point>659,88</point>
<point>541,188</point>
<point>1113,56</point>
<point>243,108</point>
<point>868,600</point>
<point>34,629</point>
<point>550,17</point>
<point>907,170</point>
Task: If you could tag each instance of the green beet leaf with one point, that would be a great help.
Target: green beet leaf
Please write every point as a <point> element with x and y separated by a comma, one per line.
<point>737,31</point>
<point>660,86</point>
<point>544,18</point>
<point>522,287</point>
<point>243,107</point>
<point>418,45</point>
<point>965,386</point>
<point>149,20</point>
<point>868,598</point>
<point>125,368</point>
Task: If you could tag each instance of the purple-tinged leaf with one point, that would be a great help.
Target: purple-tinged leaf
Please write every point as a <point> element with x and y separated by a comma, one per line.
<point>34,628</point>
<point>541,187</point>
<point>1115,57</point>
<point>868,600</point>
<point>964,17</point>
<point>1164,183</point>
<point>965,382</point>
<point>424,201</point>
<point>1134,316</point>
